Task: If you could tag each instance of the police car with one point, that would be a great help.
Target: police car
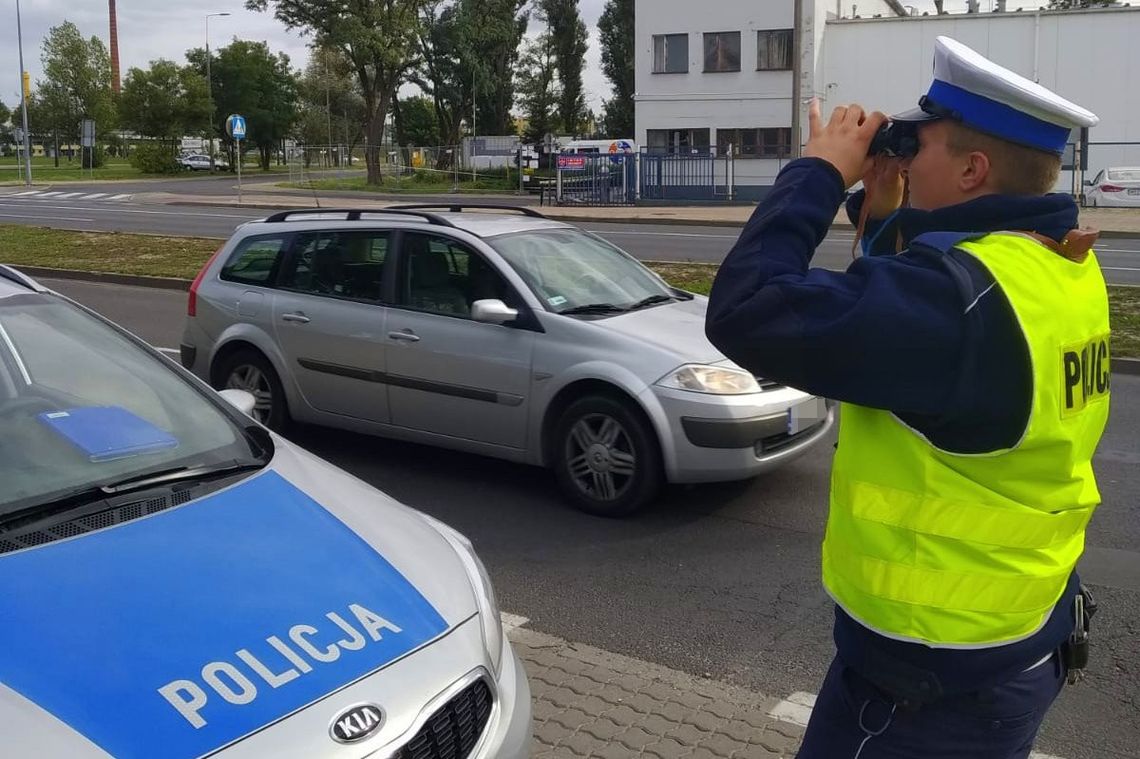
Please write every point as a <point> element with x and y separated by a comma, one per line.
<point>177,581</point>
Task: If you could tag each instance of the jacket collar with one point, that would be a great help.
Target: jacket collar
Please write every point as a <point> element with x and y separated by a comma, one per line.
<point>1051,215</point>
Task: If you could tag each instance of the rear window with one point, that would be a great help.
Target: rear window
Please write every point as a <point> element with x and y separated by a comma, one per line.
<point>254,260</point>
<point>1124,175</point>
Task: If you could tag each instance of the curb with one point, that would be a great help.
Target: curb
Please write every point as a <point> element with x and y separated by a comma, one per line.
<point>108,278</point>
<point>582,218</point>
<point>1130,366</point>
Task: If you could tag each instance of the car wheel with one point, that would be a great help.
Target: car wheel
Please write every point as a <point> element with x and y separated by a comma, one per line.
<point>250,371</point>
<point>606,457</point>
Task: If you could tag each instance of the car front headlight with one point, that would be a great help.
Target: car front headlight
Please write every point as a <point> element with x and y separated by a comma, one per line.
<point>489,617</point>
<point>716,380</point>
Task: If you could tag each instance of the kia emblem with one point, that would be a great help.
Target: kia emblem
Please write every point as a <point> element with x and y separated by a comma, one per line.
<point>356,723</point>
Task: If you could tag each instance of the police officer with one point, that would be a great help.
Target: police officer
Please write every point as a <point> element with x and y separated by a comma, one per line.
<point>973,371</point>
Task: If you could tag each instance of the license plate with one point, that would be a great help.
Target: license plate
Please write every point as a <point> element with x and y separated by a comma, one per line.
<point>1134,191</point>
<point>805,415</point>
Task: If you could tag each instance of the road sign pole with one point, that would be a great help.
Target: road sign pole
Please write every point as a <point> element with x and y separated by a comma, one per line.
<point>238,143</point>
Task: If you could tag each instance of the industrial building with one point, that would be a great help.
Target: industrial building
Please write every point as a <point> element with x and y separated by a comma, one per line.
<point>720,77</point>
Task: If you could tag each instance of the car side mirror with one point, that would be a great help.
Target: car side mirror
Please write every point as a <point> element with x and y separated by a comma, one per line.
<point>1090,183</point>
<point>242,400</point>
<point>493,311</point>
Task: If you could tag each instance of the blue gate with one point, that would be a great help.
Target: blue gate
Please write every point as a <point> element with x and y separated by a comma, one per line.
<point>684,176</point>
<point>597,179</point>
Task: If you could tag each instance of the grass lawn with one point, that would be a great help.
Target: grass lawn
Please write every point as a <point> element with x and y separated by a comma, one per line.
<point>44,171</point>
<point>183,256</point>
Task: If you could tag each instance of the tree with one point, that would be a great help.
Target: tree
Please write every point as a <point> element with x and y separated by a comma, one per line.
<point>378,38</point>
<point>5,114</point>
<point>494,31</point>
<point>615,32</point>
<point>250,80</point>
<point>419,123</point>
<point>537,89</point>
<point>331,108</point>
<point>76,84</point>
<point>445,72</point>
<point>166,101</point>
<point>568,37</point>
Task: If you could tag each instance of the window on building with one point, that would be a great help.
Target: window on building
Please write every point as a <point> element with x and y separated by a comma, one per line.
<point>774,142</point>
<point>774,50</point>
<point>722,51</point>
<point>677,140</point>
<point>670,53</point>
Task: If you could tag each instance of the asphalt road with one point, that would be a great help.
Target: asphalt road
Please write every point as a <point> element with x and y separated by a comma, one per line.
<point>1120,258</point>
<point>720,581</point>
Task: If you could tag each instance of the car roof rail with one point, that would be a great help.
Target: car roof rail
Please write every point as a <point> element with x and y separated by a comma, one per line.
<point>7,272</point>
<point>460,207</point>
<point>353,214</point>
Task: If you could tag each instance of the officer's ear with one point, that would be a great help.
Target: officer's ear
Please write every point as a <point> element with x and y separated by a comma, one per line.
<point>976,172</point>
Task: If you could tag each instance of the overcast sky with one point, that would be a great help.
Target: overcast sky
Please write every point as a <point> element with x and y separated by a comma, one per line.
<point>150,29</point>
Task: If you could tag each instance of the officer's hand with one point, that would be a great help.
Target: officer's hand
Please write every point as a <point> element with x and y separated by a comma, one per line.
<point>884,187</point>
<point>844,141</point>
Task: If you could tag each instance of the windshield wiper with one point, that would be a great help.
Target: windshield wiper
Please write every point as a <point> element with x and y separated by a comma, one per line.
<point>94,493</point>
<point>652,300</point>
<point>595,308</point>
<point>175,474</point>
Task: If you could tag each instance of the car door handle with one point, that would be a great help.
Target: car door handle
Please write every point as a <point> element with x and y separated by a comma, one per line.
<point>408,336</point>
<point>297,316</point>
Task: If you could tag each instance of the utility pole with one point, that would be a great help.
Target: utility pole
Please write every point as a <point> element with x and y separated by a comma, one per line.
<point>797,75</point>
<point>210,88</point>
<point>24,101</point>
<point>328,106</point>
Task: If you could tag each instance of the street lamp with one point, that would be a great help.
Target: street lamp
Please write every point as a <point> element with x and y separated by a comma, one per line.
<point>210,87</point>
<point>24,102</point>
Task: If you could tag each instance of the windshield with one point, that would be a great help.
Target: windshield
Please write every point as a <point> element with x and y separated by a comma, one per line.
<point>568,269</point>
<point>81,405</point>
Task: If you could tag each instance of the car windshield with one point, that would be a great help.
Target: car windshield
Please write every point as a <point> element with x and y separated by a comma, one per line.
<point>568,269</point>
<point>81,406</point>
<point>1124,175</point>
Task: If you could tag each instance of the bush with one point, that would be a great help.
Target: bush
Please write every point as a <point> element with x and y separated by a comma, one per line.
<point>94,157</point>
<point>151,158</point>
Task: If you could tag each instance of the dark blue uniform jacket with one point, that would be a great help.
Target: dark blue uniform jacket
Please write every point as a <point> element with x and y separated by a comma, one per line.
<point>924,334</point>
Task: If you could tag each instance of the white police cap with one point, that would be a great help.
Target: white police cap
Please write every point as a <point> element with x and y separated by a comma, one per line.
<point>971,89</point>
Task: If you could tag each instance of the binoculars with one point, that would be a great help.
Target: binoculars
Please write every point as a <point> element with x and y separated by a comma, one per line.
<point>897,139</point>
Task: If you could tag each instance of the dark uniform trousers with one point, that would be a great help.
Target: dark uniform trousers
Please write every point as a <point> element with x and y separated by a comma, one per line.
<point>853,719</point>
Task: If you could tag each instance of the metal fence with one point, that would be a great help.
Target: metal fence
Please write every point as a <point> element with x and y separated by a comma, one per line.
<point>596,179</point>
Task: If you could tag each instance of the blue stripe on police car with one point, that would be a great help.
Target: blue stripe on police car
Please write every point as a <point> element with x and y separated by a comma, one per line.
<point>180,633</point>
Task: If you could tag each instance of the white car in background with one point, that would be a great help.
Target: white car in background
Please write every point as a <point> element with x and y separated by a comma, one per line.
<point>202,163</point>
<point>1114,188</point>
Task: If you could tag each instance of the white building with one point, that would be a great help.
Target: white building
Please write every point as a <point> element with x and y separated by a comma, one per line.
<point>719,73</point>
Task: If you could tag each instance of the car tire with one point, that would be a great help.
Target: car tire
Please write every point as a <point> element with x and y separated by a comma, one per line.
<point>606,457</point>
<point>250,370</point>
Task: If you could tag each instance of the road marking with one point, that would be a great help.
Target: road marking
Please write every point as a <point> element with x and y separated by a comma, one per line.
<point>45,218</point>
<point>24,194</point>
<point>796,710</point>
<point>68,195</point>
<point>1117,268</point>
<point>94,195</point>
<point>604,233</point>
<point>108,209</point>
<point>512,621</point>
<point>124,196</point>
<point>50,194</point>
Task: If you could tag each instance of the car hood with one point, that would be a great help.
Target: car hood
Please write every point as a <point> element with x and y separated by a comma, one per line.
<point>178,633</point>
<point>677,327</point>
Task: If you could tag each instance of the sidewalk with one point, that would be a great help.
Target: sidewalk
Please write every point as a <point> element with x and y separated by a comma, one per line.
<point>1112,222</point>
<point>592,703</point>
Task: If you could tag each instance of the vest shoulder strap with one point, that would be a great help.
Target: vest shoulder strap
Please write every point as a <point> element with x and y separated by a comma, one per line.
<point>944,241</point>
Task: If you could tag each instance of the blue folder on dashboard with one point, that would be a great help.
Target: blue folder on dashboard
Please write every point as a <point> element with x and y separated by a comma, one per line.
<point>106,433</point>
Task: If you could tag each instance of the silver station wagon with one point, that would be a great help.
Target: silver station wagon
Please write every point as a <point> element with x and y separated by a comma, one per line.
<point>493,330</point>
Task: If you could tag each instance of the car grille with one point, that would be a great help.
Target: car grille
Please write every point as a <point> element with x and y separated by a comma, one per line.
<point>778,442</point>
<point>455,728</point>
<point>17,539</point>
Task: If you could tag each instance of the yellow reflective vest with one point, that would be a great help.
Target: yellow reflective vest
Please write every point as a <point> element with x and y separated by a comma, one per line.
<point>974,550</point>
